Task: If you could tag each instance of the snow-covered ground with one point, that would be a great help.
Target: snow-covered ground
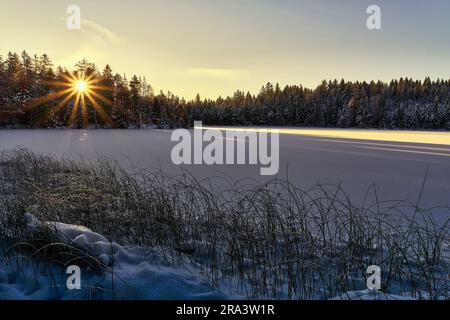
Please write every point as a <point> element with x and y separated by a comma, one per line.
<point>128,272</point>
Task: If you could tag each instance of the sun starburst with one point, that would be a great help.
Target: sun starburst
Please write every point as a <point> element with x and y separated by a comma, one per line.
<point>80,92</point>
<point>81,86</point>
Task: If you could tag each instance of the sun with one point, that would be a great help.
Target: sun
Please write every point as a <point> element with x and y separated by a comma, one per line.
<point>79,92</point>
<point>81,85</point>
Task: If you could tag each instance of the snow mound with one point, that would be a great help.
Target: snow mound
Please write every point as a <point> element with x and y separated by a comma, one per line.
<point>131,272</point>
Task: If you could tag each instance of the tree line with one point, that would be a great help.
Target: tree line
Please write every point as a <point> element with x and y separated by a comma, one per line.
<point>400,104</point>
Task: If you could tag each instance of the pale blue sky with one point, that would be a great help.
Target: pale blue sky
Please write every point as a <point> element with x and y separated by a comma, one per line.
<point>216,46</point>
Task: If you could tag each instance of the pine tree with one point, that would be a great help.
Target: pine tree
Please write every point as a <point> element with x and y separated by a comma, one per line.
<point>135,95</point>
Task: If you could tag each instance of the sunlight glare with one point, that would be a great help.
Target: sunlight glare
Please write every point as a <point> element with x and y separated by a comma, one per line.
<point>425,137</point>
<point>81,86</point>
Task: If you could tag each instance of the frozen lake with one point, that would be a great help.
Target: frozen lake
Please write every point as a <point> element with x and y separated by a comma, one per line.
<point>394,162</point>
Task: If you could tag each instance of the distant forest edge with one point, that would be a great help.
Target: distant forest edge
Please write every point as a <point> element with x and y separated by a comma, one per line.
<point>402,104</point>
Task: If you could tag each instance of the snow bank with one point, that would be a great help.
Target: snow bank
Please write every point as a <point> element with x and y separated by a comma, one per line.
<point>131,272</point>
